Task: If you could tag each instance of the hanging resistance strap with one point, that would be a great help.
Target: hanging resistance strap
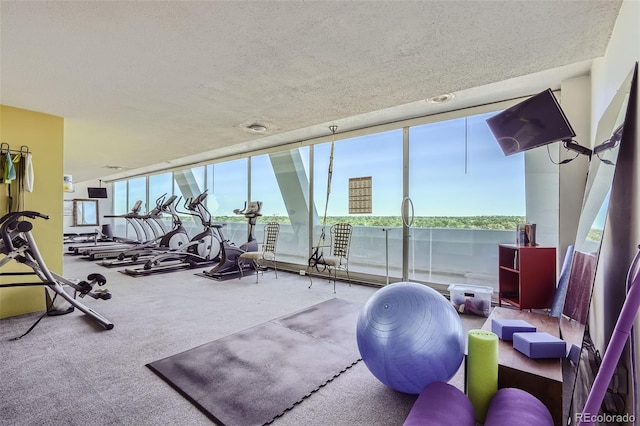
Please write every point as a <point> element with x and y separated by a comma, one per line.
<point>317,254</point>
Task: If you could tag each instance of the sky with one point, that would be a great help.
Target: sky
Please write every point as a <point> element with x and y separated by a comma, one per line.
<point>456,168</point>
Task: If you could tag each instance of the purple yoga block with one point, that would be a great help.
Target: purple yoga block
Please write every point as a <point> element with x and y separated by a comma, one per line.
<point>539,345</point>
<point>505,328</point>
<point>441,404</point>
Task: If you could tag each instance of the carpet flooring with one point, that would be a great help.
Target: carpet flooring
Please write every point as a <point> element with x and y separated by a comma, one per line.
<point>70,371</point>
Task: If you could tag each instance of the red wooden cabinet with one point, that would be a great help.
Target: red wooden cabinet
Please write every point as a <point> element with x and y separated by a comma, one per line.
<point>526,276</point>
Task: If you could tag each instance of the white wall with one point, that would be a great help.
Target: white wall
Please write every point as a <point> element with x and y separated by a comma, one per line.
<point>541,187</point>
<point>576,103</point>
<point>80,192</point>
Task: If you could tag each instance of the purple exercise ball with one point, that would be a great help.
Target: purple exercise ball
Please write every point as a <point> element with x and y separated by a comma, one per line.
<point>409,336</point>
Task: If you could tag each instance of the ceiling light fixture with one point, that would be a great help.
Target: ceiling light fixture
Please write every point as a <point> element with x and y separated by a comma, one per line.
<point>441,98</point>
<point>114,167</point>
<point>257,128</point>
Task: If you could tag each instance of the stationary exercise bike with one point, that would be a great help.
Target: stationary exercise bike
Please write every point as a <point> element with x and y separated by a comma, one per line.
<point>229,265</point>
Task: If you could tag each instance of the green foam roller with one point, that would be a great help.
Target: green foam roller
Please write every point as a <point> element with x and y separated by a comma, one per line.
<point>482,370</point>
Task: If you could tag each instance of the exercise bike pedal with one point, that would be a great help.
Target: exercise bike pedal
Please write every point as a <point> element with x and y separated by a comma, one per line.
<point>83,287</point>
<point>103,294</point>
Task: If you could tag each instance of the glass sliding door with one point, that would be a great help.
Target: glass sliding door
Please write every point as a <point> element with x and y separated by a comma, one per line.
<point>366,191</point>
<point>468,198</point>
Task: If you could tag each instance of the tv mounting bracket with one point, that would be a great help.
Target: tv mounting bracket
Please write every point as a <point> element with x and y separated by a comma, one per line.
<point>572,146</point>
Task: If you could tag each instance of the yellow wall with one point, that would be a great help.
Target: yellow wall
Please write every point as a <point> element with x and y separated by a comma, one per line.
<point>44,135</point>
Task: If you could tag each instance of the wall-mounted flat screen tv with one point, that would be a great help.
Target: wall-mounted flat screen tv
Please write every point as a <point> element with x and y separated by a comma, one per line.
<point>534,122</point>
<point>97,192</point>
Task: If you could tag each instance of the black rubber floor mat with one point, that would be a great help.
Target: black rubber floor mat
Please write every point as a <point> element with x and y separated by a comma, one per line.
<point>253,376</point>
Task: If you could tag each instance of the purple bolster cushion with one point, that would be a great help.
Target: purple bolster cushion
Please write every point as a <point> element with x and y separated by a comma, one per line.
<point>515,407</point>
<point>441,404</point>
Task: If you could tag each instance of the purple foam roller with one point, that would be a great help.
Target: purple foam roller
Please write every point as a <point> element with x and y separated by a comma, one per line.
<point>441,404</point>
<point>515,407</point>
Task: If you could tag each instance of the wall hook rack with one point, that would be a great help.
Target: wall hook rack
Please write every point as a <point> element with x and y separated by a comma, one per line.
<point>6,148</point>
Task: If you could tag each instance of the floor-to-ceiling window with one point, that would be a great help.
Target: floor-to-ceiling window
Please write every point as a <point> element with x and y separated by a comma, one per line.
<point>281,181</point>
<point>371,165</point>
<point>136,190</point>
<point>189,184</point>
<point>120,203</point>
<point>120,208</point>
<point>468,197</point>
<point>160,185</point>
<point>160,190</point>
<point>227,188</point>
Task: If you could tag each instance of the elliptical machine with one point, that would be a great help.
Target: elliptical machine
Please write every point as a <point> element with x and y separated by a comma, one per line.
<point>169,241</point>
<point>228,266</point>
<point>204,248</point>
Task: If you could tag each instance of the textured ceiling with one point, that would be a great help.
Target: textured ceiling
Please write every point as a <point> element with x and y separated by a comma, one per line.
<point>145,85</point>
